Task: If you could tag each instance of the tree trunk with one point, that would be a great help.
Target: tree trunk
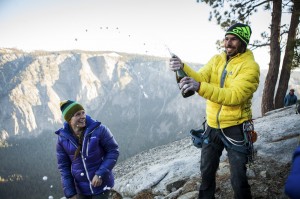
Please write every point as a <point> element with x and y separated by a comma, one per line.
<point>288,57</point>
<point>272,75</point>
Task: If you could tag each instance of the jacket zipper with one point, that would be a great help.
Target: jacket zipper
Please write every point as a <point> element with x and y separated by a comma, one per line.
<point>87,147</point>
<point>87,174</point>
<point>222,82</point>
<point>83,160</point>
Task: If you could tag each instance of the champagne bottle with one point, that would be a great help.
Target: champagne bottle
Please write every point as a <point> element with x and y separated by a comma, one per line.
<point>179,75</point>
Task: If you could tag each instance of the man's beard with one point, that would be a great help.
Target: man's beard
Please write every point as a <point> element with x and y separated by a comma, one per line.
<point>240,49</point>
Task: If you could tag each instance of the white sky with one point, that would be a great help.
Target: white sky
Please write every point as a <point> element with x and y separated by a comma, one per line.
<point>134,26</point>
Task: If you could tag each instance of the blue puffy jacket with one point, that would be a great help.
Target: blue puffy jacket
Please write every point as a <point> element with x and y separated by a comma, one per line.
<point>292,187</point>
<point>98,156</point>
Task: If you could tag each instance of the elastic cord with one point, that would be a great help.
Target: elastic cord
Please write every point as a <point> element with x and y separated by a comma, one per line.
<point>232,141</point>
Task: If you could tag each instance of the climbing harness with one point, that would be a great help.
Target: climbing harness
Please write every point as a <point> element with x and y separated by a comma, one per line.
<point>244,146</point>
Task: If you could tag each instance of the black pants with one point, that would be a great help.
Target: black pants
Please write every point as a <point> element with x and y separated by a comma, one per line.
<point>210,159</point>
<point>103,195</point>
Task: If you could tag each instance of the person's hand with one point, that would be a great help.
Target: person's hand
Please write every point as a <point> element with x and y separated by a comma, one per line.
<point>189,84</point>
<point>175,63</point>
<point>73,197</point>
<point>97,181</point>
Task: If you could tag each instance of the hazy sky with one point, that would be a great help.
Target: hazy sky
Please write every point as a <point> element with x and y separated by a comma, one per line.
<point>135,26</point>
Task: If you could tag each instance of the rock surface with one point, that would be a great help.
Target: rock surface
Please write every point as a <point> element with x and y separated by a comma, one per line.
<point>172,171</point>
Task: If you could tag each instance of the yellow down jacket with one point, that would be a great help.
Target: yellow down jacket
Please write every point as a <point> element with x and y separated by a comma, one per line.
<point>228,87</point>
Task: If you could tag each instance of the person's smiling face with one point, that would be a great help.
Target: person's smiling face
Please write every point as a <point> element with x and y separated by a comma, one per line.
<point>78,120</point>
<point>233,45</point>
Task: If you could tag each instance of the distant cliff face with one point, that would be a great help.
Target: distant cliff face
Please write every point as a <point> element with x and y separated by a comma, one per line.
<point>135,96</point>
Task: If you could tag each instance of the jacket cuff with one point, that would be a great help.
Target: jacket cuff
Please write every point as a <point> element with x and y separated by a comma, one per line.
<point>101,173</point>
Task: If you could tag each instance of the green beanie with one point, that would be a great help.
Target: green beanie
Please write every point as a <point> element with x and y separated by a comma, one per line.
<point>242,31</point>
<point>69,108</point>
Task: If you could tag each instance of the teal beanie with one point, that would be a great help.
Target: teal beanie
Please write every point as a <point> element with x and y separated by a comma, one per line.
<point>69,108</point>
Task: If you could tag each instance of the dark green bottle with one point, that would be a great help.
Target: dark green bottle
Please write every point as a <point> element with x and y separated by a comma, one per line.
<point>179,75</point>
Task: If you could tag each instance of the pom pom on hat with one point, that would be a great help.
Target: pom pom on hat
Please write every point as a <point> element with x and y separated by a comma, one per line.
<point>69,108</point>
<point>242,31</point>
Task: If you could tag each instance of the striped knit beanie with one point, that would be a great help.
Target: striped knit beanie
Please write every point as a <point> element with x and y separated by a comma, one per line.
<point>69,108</point>
<point>242,31</point>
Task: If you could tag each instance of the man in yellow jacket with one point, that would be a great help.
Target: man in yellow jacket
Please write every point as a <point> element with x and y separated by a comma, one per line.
<point>228,82</point>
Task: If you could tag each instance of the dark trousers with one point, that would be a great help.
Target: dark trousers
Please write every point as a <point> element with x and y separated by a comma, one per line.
<point>210,159</point>
<point>103,195</point>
